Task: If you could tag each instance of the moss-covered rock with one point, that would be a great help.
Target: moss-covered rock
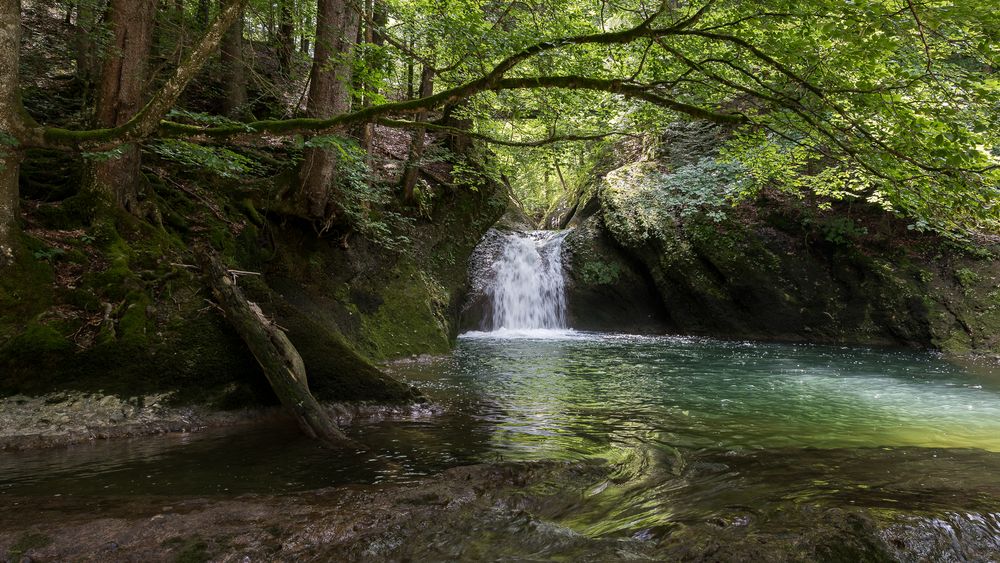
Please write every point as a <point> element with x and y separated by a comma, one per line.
<point>606,290</point>
<point>777,267</point>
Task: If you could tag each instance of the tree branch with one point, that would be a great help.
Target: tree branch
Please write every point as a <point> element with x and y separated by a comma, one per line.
<point>403,124</point>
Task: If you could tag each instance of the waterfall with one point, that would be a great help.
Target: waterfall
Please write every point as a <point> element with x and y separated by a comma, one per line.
<point>528,289</point>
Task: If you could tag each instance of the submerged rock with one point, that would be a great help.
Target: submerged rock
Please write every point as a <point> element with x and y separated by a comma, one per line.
<point>506,511</point>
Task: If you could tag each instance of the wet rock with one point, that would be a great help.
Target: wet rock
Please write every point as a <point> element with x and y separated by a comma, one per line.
<point>607,290</point>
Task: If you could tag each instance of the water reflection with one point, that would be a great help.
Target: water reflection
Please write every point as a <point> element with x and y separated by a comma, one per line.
<point>703,393</point>
<point>694,430</point>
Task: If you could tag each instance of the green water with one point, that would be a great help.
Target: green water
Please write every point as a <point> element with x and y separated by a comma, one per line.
<point>695,430</point>
<point>564,395</point>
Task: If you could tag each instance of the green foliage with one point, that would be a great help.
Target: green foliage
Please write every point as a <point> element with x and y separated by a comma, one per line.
<point>49,253</point>
<point>600,273</point>
<point>7,140</point>
<point>104,156</point>
<point>966,277</point>
<point>216,160</point>
<point>361,201</point>
<point>201,118</point>
<point>646,202</point>
<point>838,229</point>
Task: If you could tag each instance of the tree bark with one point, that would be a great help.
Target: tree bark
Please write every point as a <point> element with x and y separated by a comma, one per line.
<point>380,17</point>
<point>417,144</point>
<point>86,49</point>
<point>276,355</point>
<point>286,37</point>
<point>329,95</point>
<point>204,12</point>
<point>12,119</point>
<point>234,75</point>
<point>123,79</point>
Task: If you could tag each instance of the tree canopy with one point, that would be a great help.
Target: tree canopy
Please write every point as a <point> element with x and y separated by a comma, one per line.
<point>893,101</point>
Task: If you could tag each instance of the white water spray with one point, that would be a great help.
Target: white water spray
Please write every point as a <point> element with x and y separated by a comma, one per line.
<point>528,287</point>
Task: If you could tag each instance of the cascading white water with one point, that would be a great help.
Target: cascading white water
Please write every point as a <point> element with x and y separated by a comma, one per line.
<point>528,289</point>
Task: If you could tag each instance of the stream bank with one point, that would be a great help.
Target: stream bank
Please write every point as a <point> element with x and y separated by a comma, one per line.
<point>110,308</point>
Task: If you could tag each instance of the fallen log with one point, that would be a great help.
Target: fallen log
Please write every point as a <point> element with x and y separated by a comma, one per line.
<point>275,353</point>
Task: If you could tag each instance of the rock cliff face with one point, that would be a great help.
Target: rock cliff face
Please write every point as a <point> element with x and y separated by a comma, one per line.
<point>606,289</point>
<point>773,266</point>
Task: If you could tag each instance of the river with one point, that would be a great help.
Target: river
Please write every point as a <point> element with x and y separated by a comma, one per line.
<point>692,433</point>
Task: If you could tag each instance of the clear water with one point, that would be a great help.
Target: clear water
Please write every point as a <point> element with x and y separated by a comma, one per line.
<point>692,428</point>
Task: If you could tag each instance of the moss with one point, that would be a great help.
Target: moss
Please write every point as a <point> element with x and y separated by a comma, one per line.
<point>600,273</point>
<point>38,341</point>
<point>966,277</point>
<point>25,292</point>
<point>409,319</point>
<point>133,323</point>
<point>74,212</point>
<point>335,369</point>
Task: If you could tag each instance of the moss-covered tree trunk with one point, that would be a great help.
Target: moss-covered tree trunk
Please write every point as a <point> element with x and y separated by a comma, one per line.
<point>329,95</point>
<point>281,362</point>
<point>120,97</point>
<point>232,65</point>
<point>11,122</point>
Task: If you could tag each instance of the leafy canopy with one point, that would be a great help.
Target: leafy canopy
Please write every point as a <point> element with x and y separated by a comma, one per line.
<point>897,102</point>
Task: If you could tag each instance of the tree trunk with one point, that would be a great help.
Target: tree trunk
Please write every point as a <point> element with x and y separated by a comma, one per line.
<point>417,144</point>
<point>329,95</point>
<point>123,79</point>
<point>286,37</point>
<point>86,49</point>
<point>276,355</point>
<point>370,36</point>
<point>234,75</point>
<point>10,215</point>
<point>380,17</point>
<point>410,71</point>
<point>11,123</point>
<point>204,12</point>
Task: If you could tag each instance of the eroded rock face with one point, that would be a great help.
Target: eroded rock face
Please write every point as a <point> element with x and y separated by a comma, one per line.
<point>607,290</point>
<point>772,266</point>
<point>775,268</point>
<point>477,311</point>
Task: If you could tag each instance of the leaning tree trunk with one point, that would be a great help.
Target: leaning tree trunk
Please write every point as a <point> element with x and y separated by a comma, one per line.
<point>276,355</point>
<point>234,75</point>
<point>329,95</point>
<point>123,79</point>
<point>11,123</point>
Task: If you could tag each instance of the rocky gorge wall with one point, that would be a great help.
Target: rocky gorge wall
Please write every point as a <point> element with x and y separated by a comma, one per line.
<point>769,267</point>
